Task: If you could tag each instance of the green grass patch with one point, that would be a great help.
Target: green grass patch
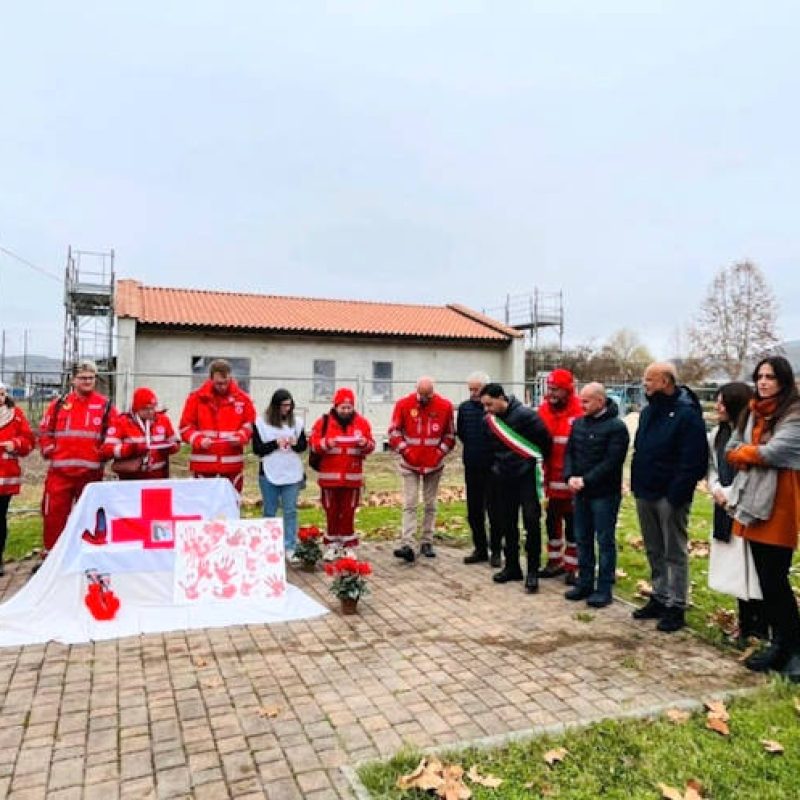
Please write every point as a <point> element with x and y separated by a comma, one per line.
<point>626,760</point>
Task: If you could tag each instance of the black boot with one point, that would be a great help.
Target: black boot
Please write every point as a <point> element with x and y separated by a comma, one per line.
<point>791,670</point>
<point>673,620</point>
<point>652,610</point>
<point>773,656</point>
<point>532,576</point>
<point>510,572</point>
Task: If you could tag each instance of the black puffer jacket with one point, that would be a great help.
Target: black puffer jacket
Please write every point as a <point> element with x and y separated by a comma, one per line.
<point>596,452</point>
<point>527,423</point>
<point>475,437</point>
<point>670,448</point>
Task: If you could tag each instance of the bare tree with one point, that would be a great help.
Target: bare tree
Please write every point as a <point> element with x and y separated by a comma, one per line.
<point>737,320</point>
<point>624,349</point>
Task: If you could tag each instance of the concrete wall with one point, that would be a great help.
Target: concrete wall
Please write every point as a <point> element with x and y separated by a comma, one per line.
<point>162,360</point>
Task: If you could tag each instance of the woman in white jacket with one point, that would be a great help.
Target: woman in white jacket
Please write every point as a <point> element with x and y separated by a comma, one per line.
<point>731,402</point>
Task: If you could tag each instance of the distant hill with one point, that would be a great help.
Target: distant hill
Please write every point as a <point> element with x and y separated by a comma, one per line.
<point>37,367</point>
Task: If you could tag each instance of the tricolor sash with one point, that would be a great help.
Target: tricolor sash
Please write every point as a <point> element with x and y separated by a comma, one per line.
<point>519,445</point>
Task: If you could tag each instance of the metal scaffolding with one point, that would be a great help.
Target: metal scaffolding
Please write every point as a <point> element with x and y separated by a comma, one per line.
<point>89,309</point>
<point>531,313</point>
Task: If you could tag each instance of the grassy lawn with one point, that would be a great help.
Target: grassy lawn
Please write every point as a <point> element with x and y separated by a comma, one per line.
<point>628,759</point>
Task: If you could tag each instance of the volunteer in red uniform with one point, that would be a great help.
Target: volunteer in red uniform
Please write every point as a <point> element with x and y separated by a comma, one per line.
<point>344,439</point>
<point>71,436</point>
<point>560,408</point>
<point>422,434</point>
<point>217,421</point>
<point>16,440</point>
<point>142,440</point>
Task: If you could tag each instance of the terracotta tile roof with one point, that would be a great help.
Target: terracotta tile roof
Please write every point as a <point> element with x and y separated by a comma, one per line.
<point>194,308</point>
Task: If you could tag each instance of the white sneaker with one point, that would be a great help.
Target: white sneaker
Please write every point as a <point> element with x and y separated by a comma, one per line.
<point>331,553</point>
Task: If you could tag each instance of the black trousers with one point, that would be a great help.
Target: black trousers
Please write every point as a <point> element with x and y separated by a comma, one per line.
<point>478,503</point>
<point>780,607</point>
<point>509,497</point>
<point>5,499</point>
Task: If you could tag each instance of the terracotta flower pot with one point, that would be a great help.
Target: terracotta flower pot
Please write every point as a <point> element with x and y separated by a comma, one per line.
<point>349,605</point>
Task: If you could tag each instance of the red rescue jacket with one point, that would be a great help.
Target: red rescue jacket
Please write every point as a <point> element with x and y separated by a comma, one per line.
<point>559,423</point>
<point>342,456</point>
<point>422,434</point>
<point>130,436</point>
<point>19,433</point>
<point>225,419</point>
<point>71,434</point>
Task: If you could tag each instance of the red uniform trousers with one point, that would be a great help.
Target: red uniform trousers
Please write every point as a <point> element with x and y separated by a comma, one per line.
<point>61,492</point>
<point>559,523</point>
<point>340,503</point>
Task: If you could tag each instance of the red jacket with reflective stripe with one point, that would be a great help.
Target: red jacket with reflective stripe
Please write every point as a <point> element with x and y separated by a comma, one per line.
<point>225,419</point>
<point>342,456</point>
<point>422,434</point>
<point>71,434</point>
<point>127,437</point>
<point>559,423</point>
<point>19,433</point>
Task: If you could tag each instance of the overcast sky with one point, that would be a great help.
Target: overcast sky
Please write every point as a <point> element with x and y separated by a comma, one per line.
<point>407,151</point>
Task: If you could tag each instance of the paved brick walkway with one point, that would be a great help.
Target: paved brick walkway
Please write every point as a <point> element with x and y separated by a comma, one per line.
<point>438,655</point>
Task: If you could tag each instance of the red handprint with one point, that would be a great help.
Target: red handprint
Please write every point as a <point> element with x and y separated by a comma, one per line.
<point>225,569</point>
<point>204,569</point>
<point>226,592</point>
<point>275,586</point>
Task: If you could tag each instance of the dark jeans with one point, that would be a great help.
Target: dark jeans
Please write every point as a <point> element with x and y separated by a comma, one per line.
<point>5,499</point>
<point>509,496</point>
<point>477,484</point>
<point>780,607</point>
<point>597,517</point>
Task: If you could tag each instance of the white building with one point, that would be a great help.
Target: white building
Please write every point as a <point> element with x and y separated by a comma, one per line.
<point>167,337</point>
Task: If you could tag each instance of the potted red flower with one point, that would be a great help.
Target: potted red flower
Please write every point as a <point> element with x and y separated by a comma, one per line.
<point>308,551</point>
<point>349,581</point>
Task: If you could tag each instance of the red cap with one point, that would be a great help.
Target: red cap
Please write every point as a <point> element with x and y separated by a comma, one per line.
<point>344,395</point>
<point>561,379</point>
<point>143,397</point>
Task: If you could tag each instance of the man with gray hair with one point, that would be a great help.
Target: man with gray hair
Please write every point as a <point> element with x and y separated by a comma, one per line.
<point>593,463</point>
<point>670,456</point>
<point>421,433</point>
<point>476,455</point>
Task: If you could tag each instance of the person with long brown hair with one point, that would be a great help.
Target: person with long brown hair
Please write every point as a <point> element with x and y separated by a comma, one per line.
<point>766,512</point>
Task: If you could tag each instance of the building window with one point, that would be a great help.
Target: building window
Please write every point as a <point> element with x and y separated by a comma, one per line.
<point>240,369</point>
<point>382,380</point>
<point>324,379</point>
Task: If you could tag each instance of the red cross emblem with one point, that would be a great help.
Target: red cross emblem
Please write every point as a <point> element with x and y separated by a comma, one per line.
<point>155,528</point>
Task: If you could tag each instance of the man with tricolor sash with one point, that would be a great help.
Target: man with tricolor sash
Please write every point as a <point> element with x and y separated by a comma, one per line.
<point>520,442</point>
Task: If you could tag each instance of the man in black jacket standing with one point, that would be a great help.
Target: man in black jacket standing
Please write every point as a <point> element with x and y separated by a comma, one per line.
<point>474,436</point>
<point>519,442</point>
<point>670,456</point>
<point>593,471</point>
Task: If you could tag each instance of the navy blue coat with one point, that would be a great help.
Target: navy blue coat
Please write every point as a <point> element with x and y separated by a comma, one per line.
<point>474,435</point>
<point>670,449</point>
<point>596,452</point>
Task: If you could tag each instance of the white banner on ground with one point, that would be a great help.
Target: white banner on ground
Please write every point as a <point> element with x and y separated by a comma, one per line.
<point>126,530</point>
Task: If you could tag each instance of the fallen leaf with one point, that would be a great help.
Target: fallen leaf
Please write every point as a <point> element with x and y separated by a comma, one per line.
<point>620,573</point>
<point>678,716</point>
<point>213,683</point>
<point>716,708</point>
<point>454,787</point>
<point>556,756</point>
<point>772,747</point>
<point>489,781</point>
<point>694,790</point>
<point>643,589</point>
<point>724,619</point>
<point>746,653</point>
<point>636,543</point>
<point>797,704</point>
<point>270,712</point>
<point>427,776</point>
<point>699,549</point>
<point>199,661</point>
<point>670,792</point>
<point>718,725</point>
